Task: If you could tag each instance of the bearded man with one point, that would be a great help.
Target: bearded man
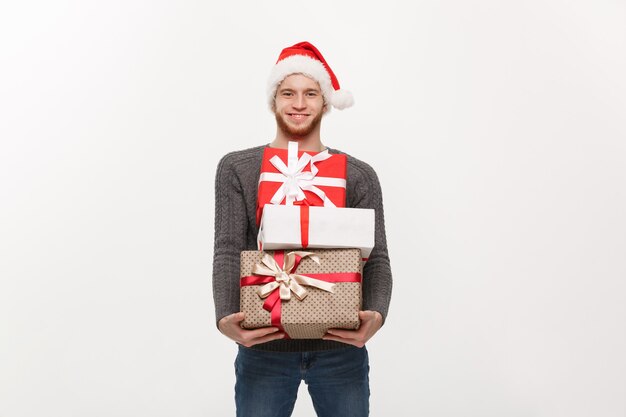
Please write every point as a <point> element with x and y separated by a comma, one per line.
<point>269,367</point>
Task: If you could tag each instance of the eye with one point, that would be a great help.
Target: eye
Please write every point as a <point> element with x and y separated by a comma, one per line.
<point>312,94</point>
<point>286,94</point>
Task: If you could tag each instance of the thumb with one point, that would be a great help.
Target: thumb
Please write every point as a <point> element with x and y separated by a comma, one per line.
<point>239,316</point>
<point>367,315</point>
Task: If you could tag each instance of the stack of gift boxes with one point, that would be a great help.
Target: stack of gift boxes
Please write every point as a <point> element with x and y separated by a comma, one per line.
<point>306,276</point>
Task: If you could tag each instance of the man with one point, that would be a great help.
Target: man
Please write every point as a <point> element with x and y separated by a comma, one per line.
<point>269,368</point>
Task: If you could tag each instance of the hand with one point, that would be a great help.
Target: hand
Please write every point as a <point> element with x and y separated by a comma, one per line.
<point>230,326</point>
<point>371,322</point>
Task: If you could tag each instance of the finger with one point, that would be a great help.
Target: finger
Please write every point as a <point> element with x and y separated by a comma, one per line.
<point>267,338</point>
<point>343,338</point>
<point>353,342</point>
<point>346,334</point>
<point>238,317</point>
<point>270,337</point>
<point>248,337</point>
<point>368,316</point>
<point>233,318</point>
<point>353,337</point>
<point>260,332</point>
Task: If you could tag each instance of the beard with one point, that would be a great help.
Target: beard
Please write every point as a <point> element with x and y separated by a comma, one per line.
<point>300,130</point>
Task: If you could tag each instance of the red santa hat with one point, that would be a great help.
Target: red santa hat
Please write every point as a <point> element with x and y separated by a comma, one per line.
<point>304,58</point>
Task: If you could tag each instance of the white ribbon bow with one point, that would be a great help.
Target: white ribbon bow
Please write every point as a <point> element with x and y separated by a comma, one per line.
<point>296,181</point>
<point>286,282</point>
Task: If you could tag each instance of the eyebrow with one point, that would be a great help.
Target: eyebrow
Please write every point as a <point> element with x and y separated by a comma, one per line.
<point>317,90</point>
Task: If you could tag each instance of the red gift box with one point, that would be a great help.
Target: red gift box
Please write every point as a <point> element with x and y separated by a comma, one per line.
<point>289,177</point>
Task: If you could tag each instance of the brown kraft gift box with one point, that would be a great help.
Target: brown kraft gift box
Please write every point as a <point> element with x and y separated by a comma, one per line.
<point>319,310</point>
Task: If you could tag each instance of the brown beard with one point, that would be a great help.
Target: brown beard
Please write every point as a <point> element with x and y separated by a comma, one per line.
<point>297,132</point>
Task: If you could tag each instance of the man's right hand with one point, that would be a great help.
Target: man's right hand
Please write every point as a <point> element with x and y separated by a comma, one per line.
<point>230,326</point>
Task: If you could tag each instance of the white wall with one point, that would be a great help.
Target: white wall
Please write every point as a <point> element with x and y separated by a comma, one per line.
<point>497,129</point>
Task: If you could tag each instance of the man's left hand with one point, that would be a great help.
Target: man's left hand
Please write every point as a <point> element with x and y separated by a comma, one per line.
<point>371,322</point>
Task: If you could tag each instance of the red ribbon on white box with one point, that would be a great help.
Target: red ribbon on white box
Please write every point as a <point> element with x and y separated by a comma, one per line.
<point>304,222</point>
<point>296,181</point>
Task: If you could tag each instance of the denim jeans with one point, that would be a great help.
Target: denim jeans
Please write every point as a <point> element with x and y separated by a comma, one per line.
<point>267,382</point>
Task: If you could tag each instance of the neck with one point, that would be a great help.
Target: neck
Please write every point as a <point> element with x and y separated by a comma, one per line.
<point>311,142</point>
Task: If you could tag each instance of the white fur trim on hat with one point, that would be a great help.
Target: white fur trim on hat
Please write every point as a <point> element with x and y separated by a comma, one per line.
<point>300,64</point>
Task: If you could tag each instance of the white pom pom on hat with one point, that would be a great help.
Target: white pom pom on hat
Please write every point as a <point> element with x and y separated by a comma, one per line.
<point>342,99</point>
<point>304,58</point>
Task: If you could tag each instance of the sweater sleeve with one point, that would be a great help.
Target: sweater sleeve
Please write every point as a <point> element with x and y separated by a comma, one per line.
<point>377,278</point>
<point>230,238</point>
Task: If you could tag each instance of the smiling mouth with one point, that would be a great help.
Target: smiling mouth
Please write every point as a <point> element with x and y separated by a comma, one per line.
<point>298,115</point>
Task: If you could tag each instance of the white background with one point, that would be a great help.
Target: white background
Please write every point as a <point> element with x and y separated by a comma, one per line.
<point>497,129</point>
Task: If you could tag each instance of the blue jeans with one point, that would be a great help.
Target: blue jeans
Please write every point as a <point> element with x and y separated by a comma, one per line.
<point>267,382</point>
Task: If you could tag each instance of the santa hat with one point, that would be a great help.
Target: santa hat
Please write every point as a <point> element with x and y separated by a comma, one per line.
<point>304,58</point>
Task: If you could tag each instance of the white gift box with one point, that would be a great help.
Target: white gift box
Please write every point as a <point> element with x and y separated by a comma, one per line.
<point>329,227</point>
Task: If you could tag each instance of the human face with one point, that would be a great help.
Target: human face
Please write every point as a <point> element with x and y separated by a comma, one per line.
<point>299,106</point>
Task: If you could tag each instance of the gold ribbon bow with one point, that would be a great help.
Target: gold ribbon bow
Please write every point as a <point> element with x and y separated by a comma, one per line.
<point>286,281</point>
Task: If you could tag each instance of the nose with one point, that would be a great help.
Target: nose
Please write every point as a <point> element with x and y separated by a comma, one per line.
<point>299,102</point>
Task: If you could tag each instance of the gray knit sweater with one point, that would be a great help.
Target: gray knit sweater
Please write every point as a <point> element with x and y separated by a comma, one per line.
<point>236,185</point>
